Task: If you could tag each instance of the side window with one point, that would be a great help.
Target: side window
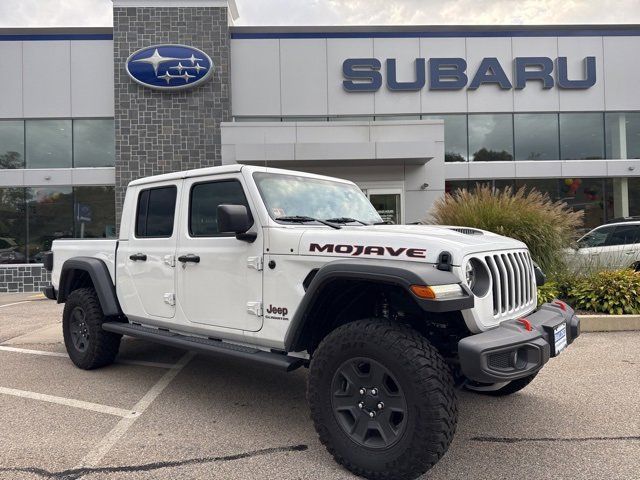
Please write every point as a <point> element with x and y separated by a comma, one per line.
<point>156,210</point>
<point>624,235</point>
<point>203,206</point>
<point>596,238</point>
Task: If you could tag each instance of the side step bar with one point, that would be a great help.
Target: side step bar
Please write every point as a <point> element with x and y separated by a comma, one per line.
<point>205,345</point>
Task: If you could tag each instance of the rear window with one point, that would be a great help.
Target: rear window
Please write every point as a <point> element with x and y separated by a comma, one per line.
<point>156,211</point>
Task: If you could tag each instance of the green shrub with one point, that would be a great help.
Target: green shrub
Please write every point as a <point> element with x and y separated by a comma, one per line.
<point>527,215</point>
<point>547,293</point>
<point>607,291</point>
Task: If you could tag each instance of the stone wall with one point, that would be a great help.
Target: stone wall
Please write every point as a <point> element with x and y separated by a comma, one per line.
<point>23,278</point>
<point>160,132</point>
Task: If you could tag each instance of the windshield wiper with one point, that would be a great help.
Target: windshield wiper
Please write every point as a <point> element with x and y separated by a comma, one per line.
<point>303,219</point>
<point>346,220</point>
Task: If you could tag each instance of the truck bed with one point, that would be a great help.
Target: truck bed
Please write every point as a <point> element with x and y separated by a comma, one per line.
<point>64,249</point>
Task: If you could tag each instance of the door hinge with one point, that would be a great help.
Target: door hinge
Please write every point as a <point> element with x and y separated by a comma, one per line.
<point>255,308</point>
<point>170,298</point>
<point>169,260</point>
<point>254,262</point>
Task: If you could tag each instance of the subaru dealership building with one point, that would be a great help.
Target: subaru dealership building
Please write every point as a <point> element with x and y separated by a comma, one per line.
<point>406,112</point>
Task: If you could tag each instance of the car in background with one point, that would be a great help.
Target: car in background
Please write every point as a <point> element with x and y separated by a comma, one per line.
<point>10,251</point>
<point>613,245</point>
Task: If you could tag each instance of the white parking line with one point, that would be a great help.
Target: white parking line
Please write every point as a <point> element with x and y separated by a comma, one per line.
<point>98,453</point>
<point>15,303</point>
<point>69,402</point>
<point>140,363</point>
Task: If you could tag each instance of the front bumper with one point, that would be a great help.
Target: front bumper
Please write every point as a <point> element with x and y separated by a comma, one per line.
<point>511,351</point>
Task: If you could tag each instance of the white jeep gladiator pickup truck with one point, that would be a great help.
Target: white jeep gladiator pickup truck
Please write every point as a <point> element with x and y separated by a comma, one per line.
<point>291,269</point>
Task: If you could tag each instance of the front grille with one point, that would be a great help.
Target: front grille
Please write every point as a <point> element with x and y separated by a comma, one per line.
<point>513,284</point>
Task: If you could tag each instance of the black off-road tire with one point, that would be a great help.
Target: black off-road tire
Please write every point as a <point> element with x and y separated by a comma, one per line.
<point>414,368</point>
<point>87,344</point>
<point>511,387</point>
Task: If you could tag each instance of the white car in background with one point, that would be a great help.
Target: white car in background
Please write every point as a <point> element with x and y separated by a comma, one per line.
<point>614,245</point>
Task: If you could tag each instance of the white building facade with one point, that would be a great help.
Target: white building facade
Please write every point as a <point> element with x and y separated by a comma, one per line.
<point>408,113</point>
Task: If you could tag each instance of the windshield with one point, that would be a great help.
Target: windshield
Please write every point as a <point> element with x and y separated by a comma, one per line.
<point>292,195</point>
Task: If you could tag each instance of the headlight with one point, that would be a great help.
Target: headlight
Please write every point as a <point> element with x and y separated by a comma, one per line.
<point>477,277</point>
<point>470,274</point>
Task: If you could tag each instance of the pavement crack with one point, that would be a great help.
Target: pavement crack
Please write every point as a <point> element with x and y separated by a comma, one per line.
<point>554,439</point>
<point>76,473</point>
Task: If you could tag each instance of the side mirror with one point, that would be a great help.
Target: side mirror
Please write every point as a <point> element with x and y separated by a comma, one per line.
<point>235,219</point>
<point>541,278</point>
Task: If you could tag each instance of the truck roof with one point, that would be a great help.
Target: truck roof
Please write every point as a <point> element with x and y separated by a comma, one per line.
<point>201,172</point>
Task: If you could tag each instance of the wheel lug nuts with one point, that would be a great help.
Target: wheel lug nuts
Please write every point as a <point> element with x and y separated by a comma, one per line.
<point>372,414</point>
<point>360,405</point>
<point>374,391</point>
<point>362,391</point>
<point>380,406</point>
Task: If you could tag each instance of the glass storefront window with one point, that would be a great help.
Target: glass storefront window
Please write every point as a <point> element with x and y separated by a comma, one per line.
<point>581,136</point>
<point>94,143</point>
<point>455,137</point>
<point>12,226</point>
<point>48,143</point>
<point>536,136</point>
<point>94,212</point>
<point>49,216</point>
<point>11,144</point>
<point>634,196</point>
<point>491,137</point>
<point>451,186</point>
<point>622,131</point>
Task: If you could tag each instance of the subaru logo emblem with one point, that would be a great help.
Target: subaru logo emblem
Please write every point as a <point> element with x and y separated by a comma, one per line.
<point>169,67</point>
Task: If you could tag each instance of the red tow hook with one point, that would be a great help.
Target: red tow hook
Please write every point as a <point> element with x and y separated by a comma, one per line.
<point>526,324</point>
<point>561,305</point>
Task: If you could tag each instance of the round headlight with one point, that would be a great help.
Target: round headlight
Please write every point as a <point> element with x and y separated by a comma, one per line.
<point>477,277</point>
<point>470,275</point>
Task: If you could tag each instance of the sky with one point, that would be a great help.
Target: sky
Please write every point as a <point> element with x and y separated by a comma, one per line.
<point>97,13</point>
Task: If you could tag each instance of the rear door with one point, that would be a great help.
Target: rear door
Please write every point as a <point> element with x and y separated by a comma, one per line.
<point>223,288</point>
<point>624,248</point>
<point>146,282</point>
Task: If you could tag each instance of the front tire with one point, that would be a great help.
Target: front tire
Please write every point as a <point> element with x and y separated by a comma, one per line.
<point>382,399</point>
<point>87,344</point>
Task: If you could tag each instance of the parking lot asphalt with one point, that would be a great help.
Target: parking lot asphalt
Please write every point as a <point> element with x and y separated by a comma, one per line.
<point>162,413</point>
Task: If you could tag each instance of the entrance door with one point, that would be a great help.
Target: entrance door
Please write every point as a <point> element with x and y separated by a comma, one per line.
<point>387,202</point>
<point>218,280</point>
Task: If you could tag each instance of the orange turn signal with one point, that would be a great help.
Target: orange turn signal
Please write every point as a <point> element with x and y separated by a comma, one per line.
<point>423,291</point>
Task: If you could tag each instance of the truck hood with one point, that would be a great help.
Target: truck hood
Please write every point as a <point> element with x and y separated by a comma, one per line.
<point>422,243</point>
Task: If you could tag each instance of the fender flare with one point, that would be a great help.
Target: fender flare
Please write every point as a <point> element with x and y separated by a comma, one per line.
<point>100,277</point>
<point>376,271</point>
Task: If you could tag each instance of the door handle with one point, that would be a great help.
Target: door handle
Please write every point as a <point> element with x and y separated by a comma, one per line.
<point>138,256</point>
<point>189,258</point>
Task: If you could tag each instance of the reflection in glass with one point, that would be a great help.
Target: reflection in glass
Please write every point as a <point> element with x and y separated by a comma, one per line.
<point>11,144</point>
<point>93,143</point>
<point>622,131</point>
<point>94,212</point>
<point>455,137</point>
<point>48,143</point>
<point>12,226</point>
<point>49,216</point>
<point>536,136</point>
<point>634,196</point>
<point>581,136</point>
<point>491,137</point>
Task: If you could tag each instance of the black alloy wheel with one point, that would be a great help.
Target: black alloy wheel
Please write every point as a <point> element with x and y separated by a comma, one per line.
<point>369,403</point>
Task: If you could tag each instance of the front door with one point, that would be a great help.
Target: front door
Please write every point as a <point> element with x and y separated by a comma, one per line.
<point>219,280</point>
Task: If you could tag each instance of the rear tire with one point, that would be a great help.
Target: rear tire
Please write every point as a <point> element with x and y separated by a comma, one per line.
<point>408,389</point>
<point>87,344</point>
<point>511,387</point>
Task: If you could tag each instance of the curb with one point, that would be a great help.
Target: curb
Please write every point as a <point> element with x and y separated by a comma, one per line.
<point>609,323</point>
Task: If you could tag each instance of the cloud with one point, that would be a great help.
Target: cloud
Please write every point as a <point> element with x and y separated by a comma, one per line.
<point>59,13</point>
